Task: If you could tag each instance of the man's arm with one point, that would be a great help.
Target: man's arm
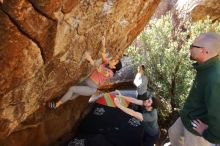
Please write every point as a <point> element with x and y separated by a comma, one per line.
<point>128,111</point>
<point>132,100</point>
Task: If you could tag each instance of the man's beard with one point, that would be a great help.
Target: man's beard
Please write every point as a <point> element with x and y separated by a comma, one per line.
<point>192,58</point>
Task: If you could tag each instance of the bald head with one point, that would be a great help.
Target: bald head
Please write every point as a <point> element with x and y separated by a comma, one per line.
<point>211,41</point>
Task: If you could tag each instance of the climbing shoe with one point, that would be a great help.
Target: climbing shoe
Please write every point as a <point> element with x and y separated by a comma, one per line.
<point>52,105</point>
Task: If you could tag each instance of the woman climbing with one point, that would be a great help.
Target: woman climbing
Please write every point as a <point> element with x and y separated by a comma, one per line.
<point>98,77</point>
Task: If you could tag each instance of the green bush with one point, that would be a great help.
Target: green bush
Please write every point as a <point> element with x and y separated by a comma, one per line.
<point>164,50</point>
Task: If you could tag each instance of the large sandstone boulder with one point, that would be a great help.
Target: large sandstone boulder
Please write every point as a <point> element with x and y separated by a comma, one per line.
<point>193,9</point>
<point>41,47</point>
<point>199,9</point>
<point>164,7</point>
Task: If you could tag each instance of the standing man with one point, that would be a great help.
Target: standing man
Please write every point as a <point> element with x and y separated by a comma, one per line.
<point>140,81</point>
<point>199,122</point>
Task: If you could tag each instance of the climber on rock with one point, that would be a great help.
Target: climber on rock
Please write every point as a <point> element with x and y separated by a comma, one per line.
<point>97,78</point>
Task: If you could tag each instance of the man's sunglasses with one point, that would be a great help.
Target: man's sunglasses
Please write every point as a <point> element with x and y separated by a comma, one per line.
<point>194,46</point>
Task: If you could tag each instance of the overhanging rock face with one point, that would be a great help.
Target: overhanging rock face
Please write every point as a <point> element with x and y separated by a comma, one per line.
<point>41,48</point>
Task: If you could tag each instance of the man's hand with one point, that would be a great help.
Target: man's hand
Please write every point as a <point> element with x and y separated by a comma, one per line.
<point>117,92</point>
<point>199,126</point>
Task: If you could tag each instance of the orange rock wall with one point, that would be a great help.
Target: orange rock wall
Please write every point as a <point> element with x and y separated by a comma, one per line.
<point>41,48</point>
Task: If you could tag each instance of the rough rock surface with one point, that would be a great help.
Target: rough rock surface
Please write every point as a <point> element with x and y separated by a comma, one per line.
<point>195,9</point>
<point>41,47</point>
<point>199,9</point>
<point>164,7</point>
